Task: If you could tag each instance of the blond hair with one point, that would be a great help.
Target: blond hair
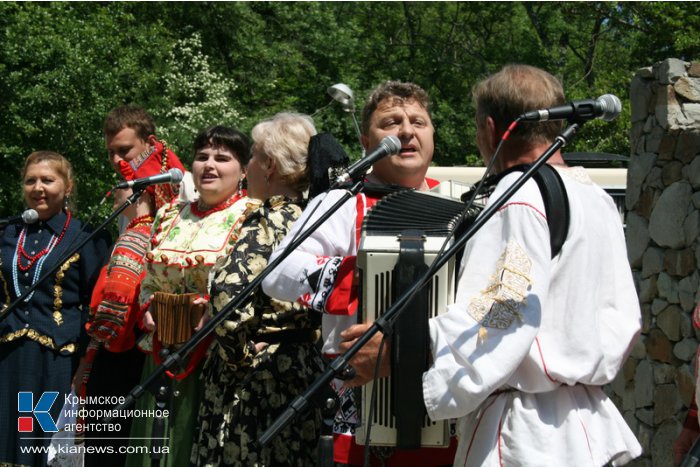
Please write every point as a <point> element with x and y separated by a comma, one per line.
<point>62,167</point>
<point>285,139</point>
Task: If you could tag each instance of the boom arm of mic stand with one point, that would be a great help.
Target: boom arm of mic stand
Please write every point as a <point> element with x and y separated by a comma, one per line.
<point>392,313</point>
<point>209,327</point>
<point>130,200</point>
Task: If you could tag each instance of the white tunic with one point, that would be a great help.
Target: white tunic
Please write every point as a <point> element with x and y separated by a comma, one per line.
<point>521,355</point>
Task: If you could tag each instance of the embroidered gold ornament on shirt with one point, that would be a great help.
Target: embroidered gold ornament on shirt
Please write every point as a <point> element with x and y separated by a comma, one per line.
<point>499,304</point>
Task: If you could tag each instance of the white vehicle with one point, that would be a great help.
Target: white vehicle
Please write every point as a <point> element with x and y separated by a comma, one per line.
<point>612,180</point>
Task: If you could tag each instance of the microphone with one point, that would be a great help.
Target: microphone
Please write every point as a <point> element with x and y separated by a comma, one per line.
<point>387,146</point>
<point>171,176</point>
<point>607,107</point>
<point>29,216</point>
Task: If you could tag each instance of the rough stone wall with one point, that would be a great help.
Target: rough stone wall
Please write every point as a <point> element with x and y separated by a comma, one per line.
<point>663,222</point>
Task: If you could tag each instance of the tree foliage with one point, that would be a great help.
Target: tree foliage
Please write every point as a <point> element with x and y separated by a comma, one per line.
<point>63,66</point>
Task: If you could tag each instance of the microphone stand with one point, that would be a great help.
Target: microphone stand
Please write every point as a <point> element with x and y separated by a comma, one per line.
<point>692,458</point>
<point>170,360</point>
<point>163,400</point>
<point>385,322</point>
<point>5,311</point>
<point>157,382</point>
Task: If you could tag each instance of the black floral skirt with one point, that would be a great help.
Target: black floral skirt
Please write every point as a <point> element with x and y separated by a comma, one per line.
<point>239,405</point>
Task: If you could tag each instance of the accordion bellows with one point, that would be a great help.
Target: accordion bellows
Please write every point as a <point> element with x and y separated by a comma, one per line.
<point>434,215</point>
<point>395,218</point>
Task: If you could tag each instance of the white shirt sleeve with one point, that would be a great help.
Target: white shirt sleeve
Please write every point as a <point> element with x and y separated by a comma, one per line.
<point>335,238</point>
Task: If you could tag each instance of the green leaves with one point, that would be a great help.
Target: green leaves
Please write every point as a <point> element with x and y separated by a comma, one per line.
<point>64,65</point>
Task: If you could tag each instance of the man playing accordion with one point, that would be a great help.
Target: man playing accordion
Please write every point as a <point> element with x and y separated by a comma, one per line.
<point>321,272</point>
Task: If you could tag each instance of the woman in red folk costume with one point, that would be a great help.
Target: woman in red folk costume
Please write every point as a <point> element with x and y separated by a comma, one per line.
<point>42,339</point>
<point>186,240</point>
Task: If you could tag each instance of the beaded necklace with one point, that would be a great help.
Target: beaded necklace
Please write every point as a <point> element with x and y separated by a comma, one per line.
<point>39,258</point>
<point>197,211</point>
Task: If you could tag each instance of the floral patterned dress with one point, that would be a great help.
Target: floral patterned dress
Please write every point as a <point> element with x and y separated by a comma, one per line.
<point>245,391</point>
<point>185,244</point>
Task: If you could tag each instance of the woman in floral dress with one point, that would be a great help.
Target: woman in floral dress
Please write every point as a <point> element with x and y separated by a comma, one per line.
<point>187,239</point>
<point>264,353</point>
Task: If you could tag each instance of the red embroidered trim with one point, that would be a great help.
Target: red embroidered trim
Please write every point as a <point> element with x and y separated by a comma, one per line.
<point>139,221</point>
<point>526,205</point>
<point>544,364</point>
<point>476,428</point>
<point>343,297</point>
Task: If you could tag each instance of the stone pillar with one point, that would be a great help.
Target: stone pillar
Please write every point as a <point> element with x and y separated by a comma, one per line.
<point>663,223</point>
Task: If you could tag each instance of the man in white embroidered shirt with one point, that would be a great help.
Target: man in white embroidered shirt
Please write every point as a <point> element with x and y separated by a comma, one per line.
<point>521,356</point>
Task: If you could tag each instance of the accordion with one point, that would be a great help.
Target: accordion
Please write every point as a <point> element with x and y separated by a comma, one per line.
<point>401,236</point>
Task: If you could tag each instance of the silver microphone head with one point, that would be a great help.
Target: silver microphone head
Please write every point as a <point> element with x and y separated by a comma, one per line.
<point>610,105</point>
<point>392,144</point>
<point>342,93</point>
<point>30,216</point>
<point>176,175</point>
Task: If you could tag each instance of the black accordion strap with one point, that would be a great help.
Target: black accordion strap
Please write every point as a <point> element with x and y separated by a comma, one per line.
<point>410,343</point>
<point>380,190</point>
<point>556,205</point>
<point>556,201</point>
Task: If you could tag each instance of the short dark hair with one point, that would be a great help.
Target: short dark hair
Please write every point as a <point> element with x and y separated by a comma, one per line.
<point>395,90</point>
<point>129,116</point>
<point>230,138</point>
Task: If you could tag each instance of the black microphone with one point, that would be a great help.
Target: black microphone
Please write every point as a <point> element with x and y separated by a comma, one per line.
<point>29,216</point>
<point>607,107</point>
<point>387,146</point>
<point>171,176</point>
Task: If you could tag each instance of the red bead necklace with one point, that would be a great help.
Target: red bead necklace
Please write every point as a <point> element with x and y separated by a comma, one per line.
<point>32,259</point>
<point>194,206</point>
